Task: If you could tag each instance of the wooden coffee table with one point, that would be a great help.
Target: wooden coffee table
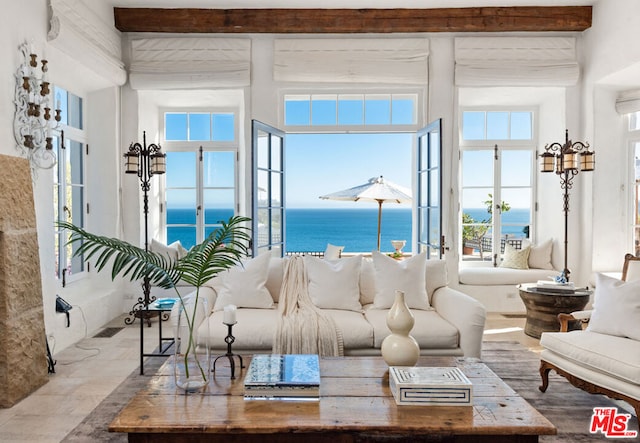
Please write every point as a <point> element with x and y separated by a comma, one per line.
<point>355,405</point>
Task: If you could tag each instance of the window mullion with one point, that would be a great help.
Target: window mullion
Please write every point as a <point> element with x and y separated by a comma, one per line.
<point>200,228</point>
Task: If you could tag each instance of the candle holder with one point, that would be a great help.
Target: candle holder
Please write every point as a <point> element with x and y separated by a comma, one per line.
<point>229,339</point>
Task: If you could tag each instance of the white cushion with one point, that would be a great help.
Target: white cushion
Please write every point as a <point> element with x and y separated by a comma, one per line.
<point>254,330</point>
<point>333,284</point>
<point>616,307</point>
<point>367,281</point>
<point>173,252</point>
<point>276,274</point>
<point>357,332</point>
<point>406,275</point>
<point>430,330</point>
<point>244,285</point>
<point>489,276</point>
<point>600,352</point>
<point>540,255</point>
<point>333,252</point>
<point>514,258</point>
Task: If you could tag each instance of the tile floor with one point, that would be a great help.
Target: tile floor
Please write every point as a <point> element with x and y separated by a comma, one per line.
<point>88,372</point>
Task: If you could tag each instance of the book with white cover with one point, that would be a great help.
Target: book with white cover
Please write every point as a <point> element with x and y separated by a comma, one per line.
<point>283,376</point>
<point>430,386</point>
<point>554,286</point>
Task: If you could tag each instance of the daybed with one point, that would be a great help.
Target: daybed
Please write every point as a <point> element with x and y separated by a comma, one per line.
<point>496,287</point>
<point>605,357</point>
<point>357,293</point>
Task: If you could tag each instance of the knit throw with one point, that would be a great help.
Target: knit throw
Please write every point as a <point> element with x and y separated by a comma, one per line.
<point>303,328</point>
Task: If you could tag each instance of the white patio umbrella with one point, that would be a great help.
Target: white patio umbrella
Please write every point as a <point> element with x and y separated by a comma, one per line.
<point>376,189</point>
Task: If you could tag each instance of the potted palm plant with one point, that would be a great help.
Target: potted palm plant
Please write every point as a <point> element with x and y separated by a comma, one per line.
<point>222,249</point>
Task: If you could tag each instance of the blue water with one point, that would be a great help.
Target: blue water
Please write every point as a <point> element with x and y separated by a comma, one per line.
<point>355,229</point>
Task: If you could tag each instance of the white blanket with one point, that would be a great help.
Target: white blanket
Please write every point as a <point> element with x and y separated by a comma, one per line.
<point>303,328</point>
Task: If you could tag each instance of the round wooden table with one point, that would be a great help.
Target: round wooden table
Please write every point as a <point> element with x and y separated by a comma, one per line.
<point>543,308</point>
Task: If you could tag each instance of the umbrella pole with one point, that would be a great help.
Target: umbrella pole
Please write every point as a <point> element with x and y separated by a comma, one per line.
<point>379,221</point>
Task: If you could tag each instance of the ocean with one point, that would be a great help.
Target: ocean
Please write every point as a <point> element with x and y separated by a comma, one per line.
<point>355,229</point>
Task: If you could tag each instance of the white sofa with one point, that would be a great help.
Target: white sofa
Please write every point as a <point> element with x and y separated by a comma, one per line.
<point>605,357</point>
<point>452,326</point>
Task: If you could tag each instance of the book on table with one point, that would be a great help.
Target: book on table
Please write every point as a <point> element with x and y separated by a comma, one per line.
<point>283,377</point>
<point>555,287</point>
<point>430,386</point>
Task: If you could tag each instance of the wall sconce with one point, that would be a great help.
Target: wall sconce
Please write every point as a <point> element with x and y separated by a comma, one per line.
<point>567,160</point>
<point>33,122</point>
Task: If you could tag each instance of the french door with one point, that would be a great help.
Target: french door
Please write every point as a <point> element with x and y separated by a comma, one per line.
<point>429,190</point>
<point>268,215</point>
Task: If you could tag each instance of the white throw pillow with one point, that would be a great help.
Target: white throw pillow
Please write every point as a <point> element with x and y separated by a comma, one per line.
<point>514,258</point>
<point>406,275</point>
<point>173,252</point>
<point>334,284</point>
<point>540,255</point>
<point>333,252</point>
<point>244,285</point>
<point>616,307</point>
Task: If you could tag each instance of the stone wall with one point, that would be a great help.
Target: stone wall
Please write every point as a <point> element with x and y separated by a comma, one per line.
<point>23,364</point>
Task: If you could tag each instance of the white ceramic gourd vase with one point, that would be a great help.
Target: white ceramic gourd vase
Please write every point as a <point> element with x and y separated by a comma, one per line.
<point>399,348</point>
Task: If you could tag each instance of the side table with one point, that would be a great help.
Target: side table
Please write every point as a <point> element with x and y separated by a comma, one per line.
<point>161,311</point>
<point>543,308</point>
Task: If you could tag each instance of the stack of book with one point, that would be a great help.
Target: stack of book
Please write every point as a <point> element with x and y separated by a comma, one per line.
<point>283,377</point>
<point>555,287</point>
<point>437,386</point>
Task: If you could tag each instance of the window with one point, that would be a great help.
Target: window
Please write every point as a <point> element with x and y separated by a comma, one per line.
<point>69,182</point>
<point>497,161</point>
<point>200,183</point>
<point>634,142</point>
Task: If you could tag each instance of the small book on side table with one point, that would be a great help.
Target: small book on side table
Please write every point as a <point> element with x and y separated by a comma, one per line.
<point>283,377</point>
<point>430,386</point>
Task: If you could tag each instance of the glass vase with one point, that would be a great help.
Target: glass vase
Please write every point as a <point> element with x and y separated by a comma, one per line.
<point>399,348</point>
<point>192,363</point>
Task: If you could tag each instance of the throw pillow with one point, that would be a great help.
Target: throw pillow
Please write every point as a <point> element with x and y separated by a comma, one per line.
<point>333,252</point>
<point>406,275</point>
<point>334,284</point>
<point>540,255</point>
<point>514,258</point>
<point>616,307</point>
<point>173,252</point>
<point>244,285</point>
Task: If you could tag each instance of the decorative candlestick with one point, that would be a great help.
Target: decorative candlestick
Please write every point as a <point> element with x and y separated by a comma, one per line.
<point>229,339</point>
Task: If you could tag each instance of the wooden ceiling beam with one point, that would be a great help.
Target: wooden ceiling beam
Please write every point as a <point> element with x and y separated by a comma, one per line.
<point>336,21</point>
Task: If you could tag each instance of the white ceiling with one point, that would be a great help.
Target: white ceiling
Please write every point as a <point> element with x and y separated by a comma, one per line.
<point>357,4</point>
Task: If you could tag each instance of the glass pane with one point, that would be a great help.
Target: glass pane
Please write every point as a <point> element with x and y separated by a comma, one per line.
<point>403,110</point>
<point>477,168</point>
<point>434,149</point>
<point>473,125</point>
<point>323,110</point>
<point>276,189</point>
<point>75,264</point>
<point>264,222</point>
<point>263,188</point>
<point>219,169</point>
<point>351,110</point>
<point>434,189</point>
<point>424,152</point>
<point>199,127</point>
<point>175,126</point>
<point>634,121</point>
<point>219,205</point>
<point>181,170</point>
<point>497,125</point>
<point>424,189</point>
<point>424,219</point>
<point>186,235</point>
<point>263,150</point>
<point>276,148</point>
<point>518,217</point>
<point>516,168</point>
<point>473,204</point>
<point>434,222</point>
<point>297,112</point>
<point>224,127</point>
<point>377,110</point>
<point>76,151</point>
<point>181,206</point>
<point>521,126</point>
<point>276,223</point>
<point>74,111</point>
<point>77,205</point>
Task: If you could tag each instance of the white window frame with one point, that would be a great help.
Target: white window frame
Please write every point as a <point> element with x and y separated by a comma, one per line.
<point>503,145</point>
<point>632,137</point>
<point>194,146</point>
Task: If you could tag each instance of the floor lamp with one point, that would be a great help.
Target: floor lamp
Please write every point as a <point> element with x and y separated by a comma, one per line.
<point>567,160</point>
<point>145,161</point>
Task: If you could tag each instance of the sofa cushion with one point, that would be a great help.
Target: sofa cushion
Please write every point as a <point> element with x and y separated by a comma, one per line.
<point>616,307</point>
<point>540,255</point>
<point>430,330</point>
<point>600,352</point>
<point>357,332</point>
<point>334,284</point>
<point>367,282</point>
<point>244,285</point>
<point>173,252</point>
<point>485,276</point>
<point>255,329</point>
<point>333,252</point>
<point>514,258</point>
<point>407,275</point>
<point>274,280</point>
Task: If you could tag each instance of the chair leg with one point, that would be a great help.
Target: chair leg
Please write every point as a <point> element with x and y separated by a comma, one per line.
<point>544,374</point>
